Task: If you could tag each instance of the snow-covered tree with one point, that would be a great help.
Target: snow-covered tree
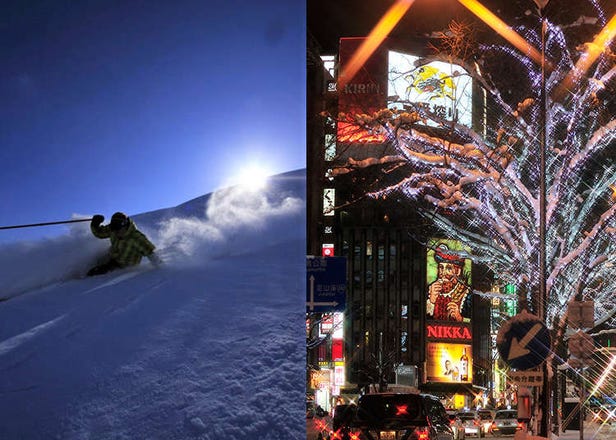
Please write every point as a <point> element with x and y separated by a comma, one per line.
<point>482,185</point>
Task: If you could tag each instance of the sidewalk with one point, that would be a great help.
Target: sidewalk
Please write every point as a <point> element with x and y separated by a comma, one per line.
<point>592,431</point>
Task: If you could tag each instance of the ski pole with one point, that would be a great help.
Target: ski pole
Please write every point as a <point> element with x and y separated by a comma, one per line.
<point>46,224</point>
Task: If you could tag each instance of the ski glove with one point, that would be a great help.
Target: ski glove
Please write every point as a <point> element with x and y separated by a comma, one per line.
<point>98,219</point>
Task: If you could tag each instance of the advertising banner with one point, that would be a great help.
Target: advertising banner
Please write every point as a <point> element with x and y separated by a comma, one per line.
<point>449,295</point>
<point>440,88</point>
<point>365,93</point>
<point>449,363</point>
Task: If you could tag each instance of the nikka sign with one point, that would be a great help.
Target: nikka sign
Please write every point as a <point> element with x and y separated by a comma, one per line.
<point>449,332</point>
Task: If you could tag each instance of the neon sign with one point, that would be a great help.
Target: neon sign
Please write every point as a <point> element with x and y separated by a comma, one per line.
<point>449,332</point>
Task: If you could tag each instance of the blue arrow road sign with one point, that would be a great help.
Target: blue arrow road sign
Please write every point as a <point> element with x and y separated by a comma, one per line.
<point>325,284</point>
<point>523,341</point>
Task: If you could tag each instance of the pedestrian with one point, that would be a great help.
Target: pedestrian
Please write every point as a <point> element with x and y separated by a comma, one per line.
<point>128,244</point>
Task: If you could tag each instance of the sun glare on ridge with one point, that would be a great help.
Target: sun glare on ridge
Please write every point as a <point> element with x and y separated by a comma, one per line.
<point>253,177</point>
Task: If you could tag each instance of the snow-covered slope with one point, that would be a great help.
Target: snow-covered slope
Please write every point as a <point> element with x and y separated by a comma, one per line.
<point>210,346</point>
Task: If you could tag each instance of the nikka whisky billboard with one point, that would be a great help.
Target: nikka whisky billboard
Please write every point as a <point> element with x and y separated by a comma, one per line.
<point>449,296</point>
<point>449,363</point>
<point>449,357</point>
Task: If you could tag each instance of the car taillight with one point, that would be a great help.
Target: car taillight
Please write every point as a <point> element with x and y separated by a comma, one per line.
<point>401,410</point>
<point>335,435</point>
<point>422,434</point>
<point>354,435</point>
<point>320,425</point>
<point>520,425</point>
<point>493,425</point>
<point>476,422</point>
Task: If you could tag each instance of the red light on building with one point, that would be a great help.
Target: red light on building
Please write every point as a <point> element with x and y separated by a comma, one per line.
<point>365,93</point>
<point>327,250</point>
<point>337,350</point>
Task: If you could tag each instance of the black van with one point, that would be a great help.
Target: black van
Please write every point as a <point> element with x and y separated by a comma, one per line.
<point>392,416</point>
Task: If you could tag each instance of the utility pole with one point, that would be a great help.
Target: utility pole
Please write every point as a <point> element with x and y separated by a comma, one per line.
<point>539,303</point>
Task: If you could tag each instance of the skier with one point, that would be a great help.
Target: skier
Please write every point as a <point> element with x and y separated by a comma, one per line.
<point>128,244</point>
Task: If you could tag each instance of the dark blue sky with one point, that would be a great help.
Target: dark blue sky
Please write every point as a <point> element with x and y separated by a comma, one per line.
<point>141,105</point>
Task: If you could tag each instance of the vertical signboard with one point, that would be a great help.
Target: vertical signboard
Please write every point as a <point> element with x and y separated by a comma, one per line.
<point>449,357</point>
<point>449,282</point>
<point>365,93</point>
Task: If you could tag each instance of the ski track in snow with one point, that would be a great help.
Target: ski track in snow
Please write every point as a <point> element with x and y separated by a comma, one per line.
<point>115,280</point>
<point>14,342</point>
<point>185,365</point>
<point>186,357</point>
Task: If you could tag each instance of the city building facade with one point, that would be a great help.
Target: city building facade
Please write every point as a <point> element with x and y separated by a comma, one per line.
<point>398,327</point>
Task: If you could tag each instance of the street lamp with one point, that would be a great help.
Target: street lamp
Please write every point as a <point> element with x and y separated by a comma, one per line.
<point>541,301</point>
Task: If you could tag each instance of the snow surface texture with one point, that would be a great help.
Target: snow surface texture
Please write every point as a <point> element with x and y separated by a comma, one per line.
<point>209,346</point>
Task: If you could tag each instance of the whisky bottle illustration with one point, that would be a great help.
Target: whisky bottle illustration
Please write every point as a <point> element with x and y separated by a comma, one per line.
<point>464,367</point>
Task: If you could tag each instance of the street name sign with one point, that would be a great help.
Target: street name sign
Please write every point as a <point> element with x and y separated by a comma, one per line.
<point>325,284</point>
<point>526,378</point>
<point>523,341</point>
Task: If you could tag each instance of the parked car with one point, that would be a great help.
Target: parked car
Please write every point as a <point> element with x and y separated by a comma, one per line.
<point>312,410</point>
<point>486,416</point>
<point>343,415</point>
<point>392,416</point>
<point>505,422</point>
<point>472,423</point>
<point>456,425</point>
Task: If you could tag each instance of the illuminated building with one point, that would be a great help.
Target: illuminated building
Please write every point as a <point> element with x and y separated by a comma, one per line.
<point>389,246</point>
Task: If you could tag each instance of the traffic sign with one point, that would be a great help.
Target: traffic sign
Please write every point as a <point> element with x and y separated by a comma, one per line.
<point>526,378</point>
<point>523,341</point>
<point>325,284</point>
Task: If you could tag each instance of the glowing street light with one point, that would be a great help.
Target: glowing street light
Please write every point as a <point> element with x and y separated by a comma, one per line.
<point>502,29</point>
<point>593,50</point>
<point>374,40</point>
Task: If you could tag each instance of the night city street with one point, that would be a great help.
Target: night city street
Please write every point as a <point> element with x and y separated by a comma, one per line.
<point>461,217</point>
<point>592,431</point>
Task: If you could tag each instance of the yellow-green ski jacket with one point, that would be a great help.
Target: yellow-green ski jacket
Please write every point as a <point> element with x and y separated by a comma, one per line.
<point>126,249</point>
